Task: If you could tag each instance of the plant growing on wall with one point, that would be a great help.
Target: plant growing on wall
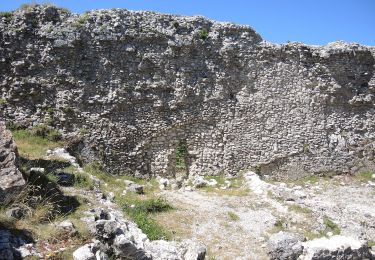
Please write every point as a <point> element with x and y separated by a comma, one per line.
<point>181,153</point>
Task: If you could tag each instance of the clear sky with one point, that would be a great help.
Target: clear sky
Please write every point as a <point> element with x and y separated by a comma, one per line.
<point>308,21</point>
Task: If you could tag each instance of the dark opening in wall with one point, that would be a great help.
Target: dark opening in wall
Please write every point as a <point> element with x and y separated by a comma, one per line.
<point>181,157</point>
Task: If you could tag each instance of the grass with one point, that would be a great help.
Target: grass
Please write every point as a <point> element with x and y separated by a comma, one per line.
<point>141,212</point>
<point>233,216</point>
<point>299,209</point>
<point>181,153</point>
<point>331,226</point>
<point>364,176</point>
<point>31,145</point>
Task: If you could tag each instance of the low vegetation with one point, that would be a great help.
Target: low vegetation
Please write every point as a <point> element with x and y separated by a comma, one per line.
<point>203,34</point>
<point>233,216</point>
<point>141,211</point>
<point>33,145</point>
<point>364,176</point>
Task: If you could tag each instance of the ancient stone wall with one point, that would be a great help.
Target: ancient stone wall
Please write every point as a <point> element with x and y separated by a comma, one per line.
<point>137,85</point>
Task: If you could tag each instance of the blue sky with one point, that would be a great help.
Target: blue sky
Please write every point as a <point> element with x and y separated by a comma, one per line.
<point>308,21</point>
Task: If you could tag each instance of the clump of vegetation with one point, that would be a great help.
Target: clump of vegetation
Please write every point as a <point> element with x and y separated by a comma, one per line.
<point>203,34</point>
<point>3,102</point>
<point>141,211</point>
<point>81,20</point>
<point>370,243</point>
<point>364,176</point>
<point>181,153</point>
<point>82,180</point>
<point>6,14</point>
<point>331,226</point>
<point>175,24</point>
<point>233,216</point>
<point>299,209</point>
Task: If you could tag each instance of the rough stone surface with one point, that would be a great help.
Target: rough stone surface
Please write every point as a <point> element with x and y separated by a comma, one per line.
<point>11,179</point>
<point>141,83</point>
<point>336,247</point>
<point>285,246</point>
<point>84,253</point>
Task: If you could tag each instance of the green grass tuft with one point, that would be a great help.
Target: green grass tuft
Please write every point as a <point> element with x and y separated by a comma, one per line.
<point>331,226</point>
<point>233,216</point>
<point>141,211</point>
<point>364,176</point>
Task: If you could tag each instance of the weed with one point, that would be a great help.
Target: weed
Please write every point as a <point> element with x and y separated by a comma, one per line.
<point>3,102</point>
<point>331,226</point>
<point>141,211</point>
<point>364,176</point>
<point>233,216</point>
<point>299,209</point>
<point>7,15</point>
<point>203,34</point>
<point>175,24</point>
<point>82,180</point>
<point>370,243</point>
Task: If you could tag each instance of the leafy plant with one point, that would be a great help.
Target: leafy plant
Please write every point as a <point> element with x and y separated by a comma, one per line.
<point>331,226</point>
<point>203,33</point>
<point>3,102</point>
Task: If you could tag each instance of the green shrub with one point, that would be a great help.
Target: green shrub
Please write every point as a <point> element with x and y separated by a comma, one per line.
<point>6,14</point>
<point>175,24</point>
<point>331,226</point>
<point>233,216</point>
<point>141,211</point>
<point>3,102</point>
<point>203,34</point>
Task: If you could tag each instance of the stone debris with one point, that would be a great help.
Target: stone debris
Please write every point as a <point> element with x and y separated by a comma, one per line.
<point>135,188</point>
<point>335,247</point>
<point>11,179</point>
<point>285,246</point>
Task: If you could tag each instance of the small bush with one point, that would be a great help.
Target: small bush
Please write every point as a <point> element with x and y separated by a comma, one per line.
<point>331,226</point>
<point>6,14</point>
<point>140,211</point>
<point>3,102</point>
<point>203,34</point>
<point>233,216</point>
<point>175,24</point>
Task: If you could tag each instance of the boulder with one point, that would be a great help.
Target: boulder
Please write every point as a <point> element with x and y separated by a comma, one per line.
<point>135,188</point>
<point>126,249</point>
<point>199,182</point>
<point>11,179</point>
<point>67,226</point>
<point>285,246</point>
<point>335,247</point>
<point>194,250</point>
<point>15,212</point>
<point>84,253</point>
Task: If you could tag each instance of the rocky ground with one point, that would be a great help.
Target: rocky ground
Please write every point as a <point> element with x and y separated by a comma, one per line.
<point>238,226</point>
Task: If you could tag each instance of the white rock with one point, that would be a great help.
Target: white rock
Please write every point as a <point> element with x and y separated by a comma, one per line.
<point>84,253</point>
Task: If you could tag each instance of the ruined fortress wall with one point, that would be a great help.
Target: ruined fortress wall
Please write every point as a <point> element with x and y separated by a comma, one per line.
<point>138,84</point>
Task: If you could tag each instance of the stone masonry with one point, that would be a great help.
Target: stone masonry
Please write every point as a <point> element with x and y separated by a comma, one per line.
<point>138,84</point>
